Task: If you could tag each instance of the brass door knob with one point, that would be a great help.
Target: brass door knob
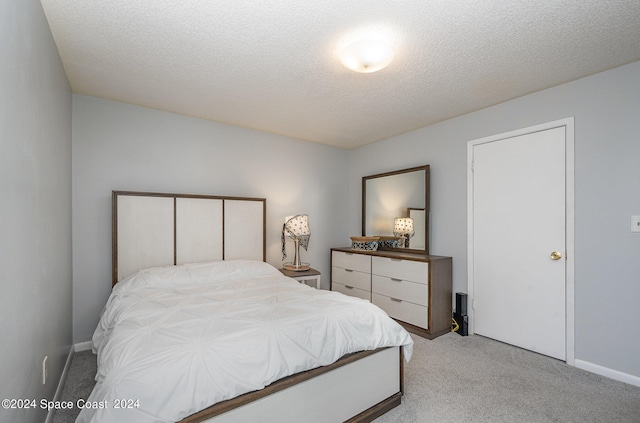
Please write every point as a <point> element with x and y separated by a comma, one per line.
<point>556,255</point>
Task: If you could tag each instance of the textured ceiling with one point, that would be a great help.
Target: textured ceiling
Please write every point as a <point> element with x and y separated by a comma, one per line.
<point>272,65</point>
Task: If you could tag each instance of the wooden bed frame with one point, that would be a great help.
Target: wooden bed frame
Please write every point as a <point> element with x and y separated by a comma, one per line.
<point>161,229</point>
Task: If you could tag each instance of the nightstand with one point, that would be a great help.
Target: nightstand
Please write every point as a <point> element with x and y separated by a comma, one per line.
<point>307,275</point>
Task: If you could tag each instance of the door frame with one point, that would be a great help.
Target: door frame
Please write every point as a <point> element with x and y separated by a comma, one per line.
<point>568,124</point>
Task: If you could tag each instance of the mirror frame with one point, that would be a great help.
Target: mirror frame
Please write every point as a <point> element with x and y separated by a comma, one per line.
<point>427,207</point>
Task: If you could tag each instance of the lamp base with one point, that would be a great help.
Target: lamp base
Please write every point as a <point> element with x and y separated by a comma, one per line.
<point>301,268</point>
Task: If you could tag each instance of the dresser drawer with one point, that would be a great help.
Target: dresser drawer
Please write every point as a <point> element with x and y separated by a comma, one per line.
<point>359,262</point>
<point>354,292</point>
<point>414,271</point>
<point>402,310</point>
<point>414,292</point>
<point>351,278</point>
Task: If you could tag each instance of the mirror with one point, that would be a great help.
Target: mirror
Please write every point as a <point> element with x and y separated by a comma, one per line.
<point>402,193</point>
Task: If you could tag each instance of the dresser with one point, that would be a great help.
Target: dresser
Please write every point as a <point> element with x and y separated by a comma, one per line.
<point>414,289</point>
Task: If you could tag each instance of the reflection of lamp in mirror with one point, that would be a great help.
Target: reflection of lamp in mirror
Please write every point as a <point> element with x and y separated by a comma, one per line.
<point>297,228</point>
<point>403,226</point>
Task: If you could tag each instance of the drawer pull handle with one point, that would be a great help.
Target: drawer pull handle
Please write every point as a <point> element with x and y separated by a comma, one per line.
<point>396,259</point>
<point>348,270</point>
<point>396,300</point>
<point>348,287</point>
<point>396,280</point>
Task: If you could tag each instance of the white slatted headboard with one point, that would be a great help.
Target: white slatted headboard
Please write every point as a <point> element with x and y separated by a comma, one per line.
<point>159,229</point>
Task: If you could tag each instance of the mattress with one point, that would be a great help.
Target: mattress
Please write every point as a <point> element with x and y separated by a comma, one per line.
<point>174,340</point>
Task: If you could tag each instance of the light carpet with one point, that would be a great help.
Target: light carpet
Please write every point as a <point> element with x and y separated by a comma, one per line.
<point>475,379</point>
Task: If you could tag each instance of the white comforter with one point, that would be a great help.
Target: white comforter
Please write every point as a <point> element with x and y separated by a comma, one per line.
<point>175,340</point>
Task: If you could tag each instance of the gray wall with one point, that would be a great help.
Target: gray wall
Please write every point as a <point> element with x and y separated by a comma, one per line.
<point>606,108</point>
<point>35,223</point>
<point>122,147</point>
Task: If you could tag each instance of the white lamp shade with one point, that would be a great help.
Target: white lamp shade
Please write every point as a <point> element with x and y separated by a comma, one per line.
<point>297,225</point>
<point>366,56</point>
<point>403,226</point>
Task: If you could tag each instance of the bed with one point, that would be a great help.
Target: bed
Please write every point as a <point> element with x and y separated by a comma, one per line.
<point>200,330</point>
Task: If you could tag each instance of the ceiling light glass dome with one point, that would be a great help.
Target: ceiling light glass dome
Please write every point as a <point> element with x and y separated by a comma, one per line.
<point>367,56</point>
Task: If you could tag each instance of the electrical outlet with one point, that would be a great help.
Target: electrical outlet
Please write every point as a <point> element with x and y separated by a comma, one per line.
<point>44,370</point>
<point>635,223</point>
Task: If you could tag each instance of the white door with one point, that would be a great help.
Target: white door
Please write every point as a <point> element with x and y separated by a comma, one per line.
<point>518,240</point>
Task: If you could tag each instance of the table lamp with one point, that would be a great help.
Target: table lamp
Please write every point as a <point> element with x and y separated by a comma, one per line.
<point>403,226</point>
<point>297,228</point>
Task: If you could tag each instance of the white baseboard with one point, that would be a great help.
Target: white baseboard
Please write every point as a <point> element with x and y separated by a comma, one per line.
<point>610,373</point>
<point>63,378</point>
<point>82,346</point>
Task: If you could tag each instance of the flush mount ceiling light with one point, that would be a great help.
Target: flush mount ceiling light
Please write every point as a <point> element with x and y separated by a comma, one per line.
<point>367,56</point>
